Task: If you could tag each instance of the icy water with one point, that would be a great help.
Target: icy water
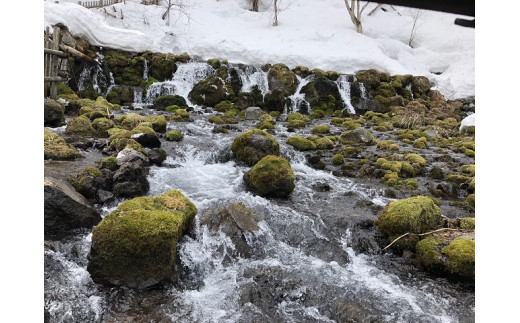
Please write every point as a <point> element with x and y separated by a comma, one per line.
<point>304,264</point>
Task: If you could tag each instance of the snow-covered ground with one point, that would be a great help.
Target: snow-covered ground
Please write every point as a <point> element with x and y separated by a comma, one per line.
<point>316,34</point>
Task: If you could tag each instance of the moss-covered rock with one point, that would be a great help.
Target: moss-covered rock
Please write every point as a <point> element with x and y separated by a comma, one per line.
<point>416,214</point>
<point>281,78</point>
<point>321,129</point>
<point>102,125</point>
<point>129,121</point>
<point>109,163</point>
<point>275,100</point>
<point>460,254</point>
<point>338,159</point>
<point>127,68</point>
<point>158,122</point>
<point>53,113</point>
<point>358,136</point>
<point>56,148</point>
<point>254,145</point>
<point>420,85</point>
<point>162,66</point>
<point>118,138</point>
<point>80,126</point>
<point>136,245</point>
<point>429,255</point>
<point>120,95</point>
<point>371,79</point>
<point>181,115</point>
<point>300,143</point>
<point>173,135</point>
<point>272,176</point>
<point>161,103</point>
<point>467,223</point>
<point>324,143</point>
<point>211,91</point>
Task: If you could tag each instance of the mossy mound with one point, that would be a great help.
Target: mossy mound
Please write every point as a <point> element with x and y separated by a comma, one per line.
<point>324,143</point>
<point>272,176</point>
<point>162,66</point>
<point>136,245</point>
<point>102,125</point>
<point>129,121</point>
<point>254,145</point>
<point>416,214</point>
<point>56,148</point>
<point>109,163</point>
<point>53,113</point>
<point>454,258</point>
<point>158,122</point>
<point>161,103</point>
<point>120,95</point>
<point>181,115</point>
<point>127,68</point>
<point>280,77</point>
<point>301,143</point>
<point>173,135</point>
<point>211,91</point>
<point>338,159</point>
<point>118,138</point>
<point>80,126</point>
<point>321,129</point>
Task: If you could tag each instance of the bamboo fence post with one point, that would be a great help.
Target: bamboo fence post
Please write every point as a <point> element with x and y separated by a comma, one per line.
<point>55,62</point>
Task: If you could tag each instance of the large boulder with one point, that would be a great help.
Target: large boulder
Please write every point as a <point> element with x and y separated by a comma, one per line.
<point>127,68</point>
<point>211,91</point>
<point>416,214</point>
<point>281,78</point>
<point>161,103</point>
<point>254,145</point>
<point>271,176</point>
<point>53,112</point>
<point>358,136</point>
<point>234,220</point>
<point>136,245</point>
<point>56,148</point>
<point>80,126</point>
<point>66,209</point>
<point>162,66</point>
<point>253,113</point>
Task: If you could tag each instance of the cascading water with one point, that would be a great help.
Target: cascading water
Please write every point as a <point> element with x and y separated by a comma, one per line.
<point>182,82</point>
<point>252,76</point>
<point>363,91</point>
<point>344,91</point>
<point>409,87</point>
<point>298,98</point>
<point>302,267</point>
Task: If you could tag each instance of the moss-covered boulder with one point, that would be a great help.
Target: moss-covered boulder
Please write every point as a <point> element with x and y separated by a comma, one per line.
<point>275,100</point>
<point>136,245</point>
<point>420,85</point>
<point>80,126</point>
<point>129,121</point>
<point>447,256</point>
<point>254,145</point>
<point>211,91</point>
<point>102,125</point>
<point>416,214</point>
<point>56,148</point>
<point>358,137</point>
<point>162,66</point>
<point>126,67</point>
<point>161,103</point>
<point>120,95</point>
<point>321,129</point>
<point>158,122</point>
<point>173,135</point>
<point>53,113</point>
<point>300,143</point>
<point>281,78</point>
<point>371,79</point>
<point>271,176</point>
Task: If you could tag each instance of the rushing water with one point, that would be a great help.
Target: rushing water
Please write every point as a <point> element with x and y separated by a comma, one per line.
<point>303,265</point>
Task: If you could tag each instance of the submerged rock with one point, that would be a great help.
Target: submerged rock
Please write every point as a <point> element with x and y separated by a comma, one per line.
<point>66,209</point>
<point>136,245</point>
<point>234,220</point>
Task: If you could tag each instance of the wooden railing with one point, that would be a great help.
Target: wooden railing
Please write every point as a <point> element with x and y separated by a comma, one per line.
<point>97,3</point>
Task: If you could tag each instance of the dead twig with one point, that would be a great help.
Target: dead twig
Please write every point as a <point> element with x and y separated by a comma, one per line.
<point>420,235</point>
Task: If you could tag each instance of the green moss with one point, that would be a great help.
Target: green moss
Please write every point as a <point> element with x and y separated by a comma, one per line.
<point>337,159</point>
<point>56,148</point>
<point>64,89</point>
<point>324,143</point>
<point>163,102</point>
<point>173,135</point>
<point>158,122</point>
<point>102,125</point>
<point>420,143</point>
<point>293,124</point>
<point>244,151</point>
<point>265,125</point>
<point>182,113</point>
<point>469,153</point>
<point>470,201</point>
<point>417,162</point>
<point>109,163</point>
<point>224,106</point>
<point>118,138</point>
<point>321,129</point>
<point>130,121</point>
<point>411,184</point>
<point>415,214</point>
<point>468,169</point>
<point>386,144</point>
<point>274,114</point>
<point>391,178</point>
<point>172,108</point>
<point>458,178</point>
<point>460,255</point>
<point>300,143</point>
<point>136,245</point>
<point>428,253</point>
<point>92,171</point>
<point>216,120</point>
<point>281,77</point>
<point>384,126</point>
<point>80,126</point>
<point>272,176</point>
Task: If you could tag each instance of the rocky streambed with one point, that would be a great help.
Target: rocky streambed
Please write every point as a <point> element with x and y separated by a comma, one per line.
<point>307,252</point>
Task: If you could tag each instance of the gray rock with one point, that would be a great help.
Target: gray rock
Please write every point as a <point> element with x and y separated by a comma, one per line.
<point>66,209</point>
<point>253,113</point>
<point>129,155</point>
<point>147,140</point>
<point>130,180</point>
<point>53,113</point>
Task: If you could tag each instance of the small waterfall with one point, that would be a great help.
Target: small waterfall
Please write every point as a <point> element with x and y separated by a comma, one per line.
<point>111,82</point>
<point>409,87</point>
<point>344,91</point>
<point>252,76</point>
<point>363,91</point>
<point>83,78</point>
<point>299,98</point>
<point>138,98</point>
<point>186,76</point>
<point>94,75</point>
<point>145,72</point>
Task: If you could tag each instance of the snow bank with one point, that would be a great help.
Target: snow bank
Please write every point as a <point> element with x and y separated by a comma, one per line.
<point>316,34</point>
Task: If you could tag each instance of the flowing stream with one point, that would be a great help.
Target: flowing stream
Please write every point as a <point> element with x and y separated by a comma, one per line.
<point>303,265</point>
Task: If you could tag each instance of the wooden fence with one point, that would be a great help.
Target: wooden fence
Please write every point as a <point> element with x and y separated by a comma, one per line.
<point>52,62</point>
<point>97,3</point>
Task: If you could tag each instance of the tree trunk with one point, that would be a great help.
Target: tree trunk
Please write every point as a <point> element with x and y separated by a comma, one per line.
<point>254,5</point>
